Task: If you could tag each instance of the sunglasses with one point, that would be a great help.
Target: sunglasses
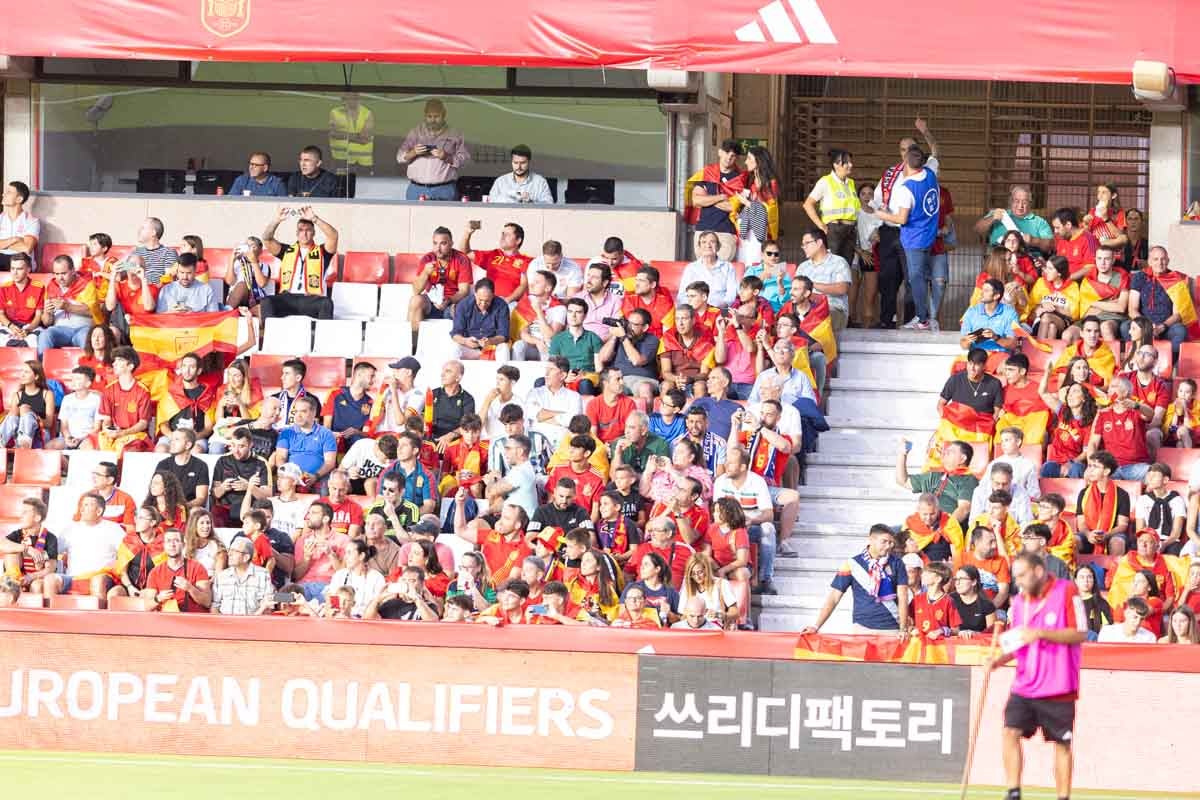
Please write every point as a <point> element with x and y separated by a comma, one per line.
<point>773,253</point>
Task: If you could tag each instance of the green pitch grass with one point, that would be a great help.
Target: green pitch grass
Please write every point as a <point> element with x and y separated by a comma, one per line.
<point>132,777</point>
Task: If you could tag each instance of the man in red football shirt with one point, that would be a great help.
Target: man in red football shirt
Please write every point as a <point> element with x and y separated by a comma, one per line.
<point>178,580</point>
<point>503,547</point>
<point>589,482</point>
<point>347,514</point>
<point>1074,243</point>
<point>665,541</point>
<point>20,304</point>
<point>1150,390</point>
<point>443,279</point>
<point>1120,428</point>
<point>609,410</point>
<point>505,265</point>
<point>686,511</point>
<point>648,295</point>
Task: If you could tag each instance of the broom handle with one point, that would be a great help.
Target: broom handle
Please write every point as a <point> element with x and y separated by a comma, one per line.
<point>977,719</point>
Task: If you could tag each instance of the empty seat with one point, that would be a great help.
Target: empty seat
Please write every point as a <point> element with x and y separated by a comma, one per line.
<point>669,273</point>
<point>52,250</point>
<point>130,604</point>
<point>37,467</point>
<point>82,463</point>
<point>1067,487</point>
<point>338,337</point>
<point>136,471</point>
<point>27,600</point>
<point>391,338</point>
<point>59,361</point>
<point>1189,360</point>
<point>1181,460</point>
<point>74,602</point>
<point>288,335</point>
<point>218,259</point>
<point>479,377</point>
<point>355,300</point>
<point>1040,360</point>
<point>325,373</point>
<point>406,267</point>
<point>12,359</point>
<point>12,504</point>
<point>434,345</point>
<point>61,505</point>
<point>393,300</point>
<point>366,267</point>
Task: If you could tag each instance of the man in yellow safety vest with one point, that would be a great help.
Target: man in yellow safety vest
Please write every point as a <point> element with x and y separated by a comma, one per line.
<point>352,134</point>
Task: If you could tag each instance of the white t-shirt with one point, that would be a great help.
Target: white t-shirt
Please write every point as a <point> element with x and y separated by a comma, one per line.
<point>90,548</point>
<point>931,164</point>
<point>1116,633</point>
<point>719,596</point>
<point>1025,473</point>
<point>362,456</point>
<point>413,399</point>
<point>493,428</point>
<point>754,495</point>
<point>78,415</point>
<point>24,225</point>
<point>568,275</point>
<point>366,588</point>
<point>1145,504</point>
<point>288,516</point>
<point>554,316</point>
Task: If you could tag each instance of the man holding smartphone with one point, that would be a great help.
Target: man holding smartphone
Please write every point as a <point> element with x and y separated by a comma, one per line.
<point>433,153</point>
<point>989,324</point>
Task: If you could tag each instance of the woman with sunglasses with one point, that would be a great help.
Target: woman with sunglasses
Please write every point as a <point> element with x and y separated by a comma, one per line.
<point>773,272</point>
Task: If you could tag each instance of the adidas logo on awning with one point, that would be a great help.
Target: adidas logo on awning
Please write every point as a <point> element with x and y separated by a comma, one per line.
<point>780,27</point>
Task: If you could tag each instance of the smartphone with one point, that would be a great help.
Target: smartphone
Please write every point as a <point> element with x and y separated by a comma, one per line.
<point>475,224</point>
<point>908,447</point>
<point>977,333</point>
<point>540,610</point>
<point>335,602</point>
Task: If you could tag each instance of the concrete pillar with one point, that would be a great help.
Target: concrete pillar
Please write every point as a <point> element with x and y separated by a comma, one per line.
<point>1167,169</point>
<point>19,133</point>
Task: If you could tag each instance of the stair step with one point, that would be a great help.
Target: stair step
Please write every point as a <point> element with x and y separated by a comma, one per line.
<point>902,368</point>
<point>836,459</point>
<point>853,493</point>
<point>918,347</point>
<point>846,442</point>
<point>804,565</point>
<point>917,337</point>
<point>849,475</point>
<point>789,621</point>
<point>881,384</point>
<point>793,585</point>
<point>856,505</point>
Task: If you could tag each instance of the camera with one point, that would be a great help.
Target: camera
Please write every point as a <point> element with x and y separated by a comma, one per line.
<point>616,322</point>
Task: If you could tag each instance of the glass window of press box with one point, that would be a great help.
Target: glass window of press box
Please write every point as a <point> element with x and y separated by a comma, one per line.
<point>186,127</point>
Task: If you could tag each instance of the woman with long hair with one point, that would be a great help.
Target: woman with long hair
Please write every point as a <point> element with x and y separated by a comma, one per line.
<point>1181,422</point>
<point>975,609</point>
<point>1023,264</point>
<point>166,497</point>
<point>663,477</point>
<point>1181,627</point>
<point>700,579</point>
<point>366,582</point>
<point>239,398</point>
<point>97,354</point>
<point>1096,609</point>
<point>1070,431</point>
<point>1136,251</point>
<point>757,206</point>
<point>200,541</point>
<point>1190,594</point>
<point>31,409</point>
<point>473,580</point>
<point>423,554</point>
<point>1106,220</point>
<point>654,581</point>
<point>593,588</point>
<point>1054,300</point>
<point>1141,332</point>
<point>997,265</point>
<point>729,543</point>
<point>1078,371</point>
<point>868,263</point>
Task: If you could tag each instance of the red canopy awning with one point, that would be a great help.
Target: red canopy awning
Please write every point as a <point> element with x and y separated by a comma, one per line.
<point>1065,40</point>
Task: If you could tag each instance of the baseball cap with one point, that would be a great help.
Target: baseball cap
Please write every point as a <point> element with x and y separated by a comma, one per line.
<point>426,527</point>
<point>292,471</point>
<point>550,536</point>
<point>1147,532</point>
<point>408,362</point>
<point>913,561</point>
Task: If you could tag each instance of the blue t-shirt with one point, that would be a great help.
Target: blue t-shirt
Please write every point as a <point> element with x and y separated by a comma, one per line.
<point>711,217</point>
<point>417,488</point>
<point>307,450</point>
<point>348,412</point>
<point>271,187</point>
<point>1001,322</point>
<point>871,611</point>
<point>921,229</point>
<point>671,432</point>
<point>720,415</point>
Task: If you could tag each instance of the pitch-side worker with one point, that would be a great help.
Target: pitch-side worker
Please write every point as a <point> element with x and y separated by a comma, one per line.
<point>1048,626</point>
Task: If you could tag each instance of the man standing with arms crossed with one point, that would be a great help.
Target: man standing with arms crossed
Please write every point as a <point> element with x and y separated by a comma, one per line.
<point>1048,624</point>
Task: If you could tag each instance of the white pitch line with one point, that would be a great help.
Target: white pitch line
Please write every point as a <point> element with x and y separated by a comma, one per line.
<point>631,779</point>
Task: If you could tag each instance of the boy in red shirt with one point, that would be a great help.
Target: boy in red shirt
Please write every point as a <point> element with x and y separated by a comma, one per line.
<point>934,614</point>
<point>254,526</point>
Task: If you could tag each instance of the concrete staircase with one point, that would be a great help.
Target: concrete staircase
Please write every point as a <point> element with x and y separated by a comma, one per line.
<point>886,387</point>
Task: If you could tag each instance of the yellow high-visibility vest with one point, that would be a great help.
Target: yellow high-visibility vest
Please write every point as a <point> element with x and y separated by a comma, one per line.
<point>341,149</point>
<point>840,202</point>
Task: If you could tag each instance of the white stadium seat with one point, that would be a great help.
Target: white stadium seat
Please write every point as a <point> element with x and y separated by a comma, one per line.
<point>136,471</point>
<point>390,337</point>
<point>434,345</point>
<point>81,464</point>
<point>338,337</point>
<point>60,508</point>
<point>288,335</point>
<point>393,300</point>
<point>355,300</point>
<point>479,377</point>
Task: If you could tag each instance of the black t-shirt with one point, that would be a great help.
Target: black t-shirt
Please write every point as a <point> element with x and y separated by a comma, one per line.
<point>262,440</point>
<point>547,516</point>
<point>191,474</point>
<point>189,413</point>
<point>631,504</point>
<point>449,410</point>
<point>323,184</point>
<point>974,616</point>
<point>49,547</point>
<point>229,467</point>
<point>985,396</point>
<point>711,217</point>
<point>398,609</point>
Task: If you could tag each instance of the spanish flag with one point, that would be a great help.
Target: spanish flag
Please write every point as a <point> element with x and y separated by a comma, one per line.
<point>1011,535</point>
<point>1024,409</point>
<point>523,316</point>
<point>1102,362</point>
<point>175,399</point>
<point>1193,417</point>
<point>1093,290</point>
<point>710,174</point>
<point>887,647</point>
<point>162,339</point>
<point>1176,567</point>
<point>1064,296</point>
<point>801,362</point>
<point>817,324</point>
<point>131,547</point>
<point>959,422</point>
<point>1175,284</point>
<point>1062,539</point>
<point>948,529</point>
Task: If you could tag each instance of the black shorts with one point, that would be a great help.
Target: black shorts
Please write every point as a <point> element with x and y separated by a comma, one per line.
<point>1056,718</point>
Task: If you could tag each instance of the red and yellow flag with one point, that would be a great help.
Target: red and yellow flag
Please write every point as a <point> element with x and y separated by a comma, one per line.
<point>948,528</point>
<point>1024,409</point>
<point>962,423</point>
<point>1122,577</point>
<point>1175,284</point>
<point>1093,290</point>
<point>818,324</point>
<point>523,316</point>
<point>1102,362</point>
<point>710,174</point>
<point>162,339</point>
<point>1065,298</point>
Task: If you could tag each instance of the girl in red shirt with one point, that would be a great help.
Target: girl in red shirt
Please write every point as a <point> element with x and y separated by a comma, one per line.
<point>729,546</point>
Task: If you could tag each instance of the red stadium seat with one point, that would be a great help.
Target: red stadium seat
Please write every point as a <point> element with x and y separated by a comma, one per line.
<point>12,359</point>
<point>1039,360</point>
<point>37,467</point>
<point>366,267</point>
<point>218,261</point>
<point>128,604</point>
<point>1067,487</point>
<point>74,602</point>
<point>1034,453</point>
<point>1189,360</point>
<point>1178,486</point>
<point>406,267</point>
<point>1181,460</point>
<point>324,372</point>
<point>27,600</point>
<point>669,273</point>
<point>12,501</point>
<point>52,250</point>
<point>59,361</point>
<point>119,251</point>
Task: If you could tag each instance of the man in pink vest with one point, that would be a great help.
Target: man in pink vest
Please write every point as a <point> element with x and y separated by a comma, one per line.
<point>1047,626</point>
